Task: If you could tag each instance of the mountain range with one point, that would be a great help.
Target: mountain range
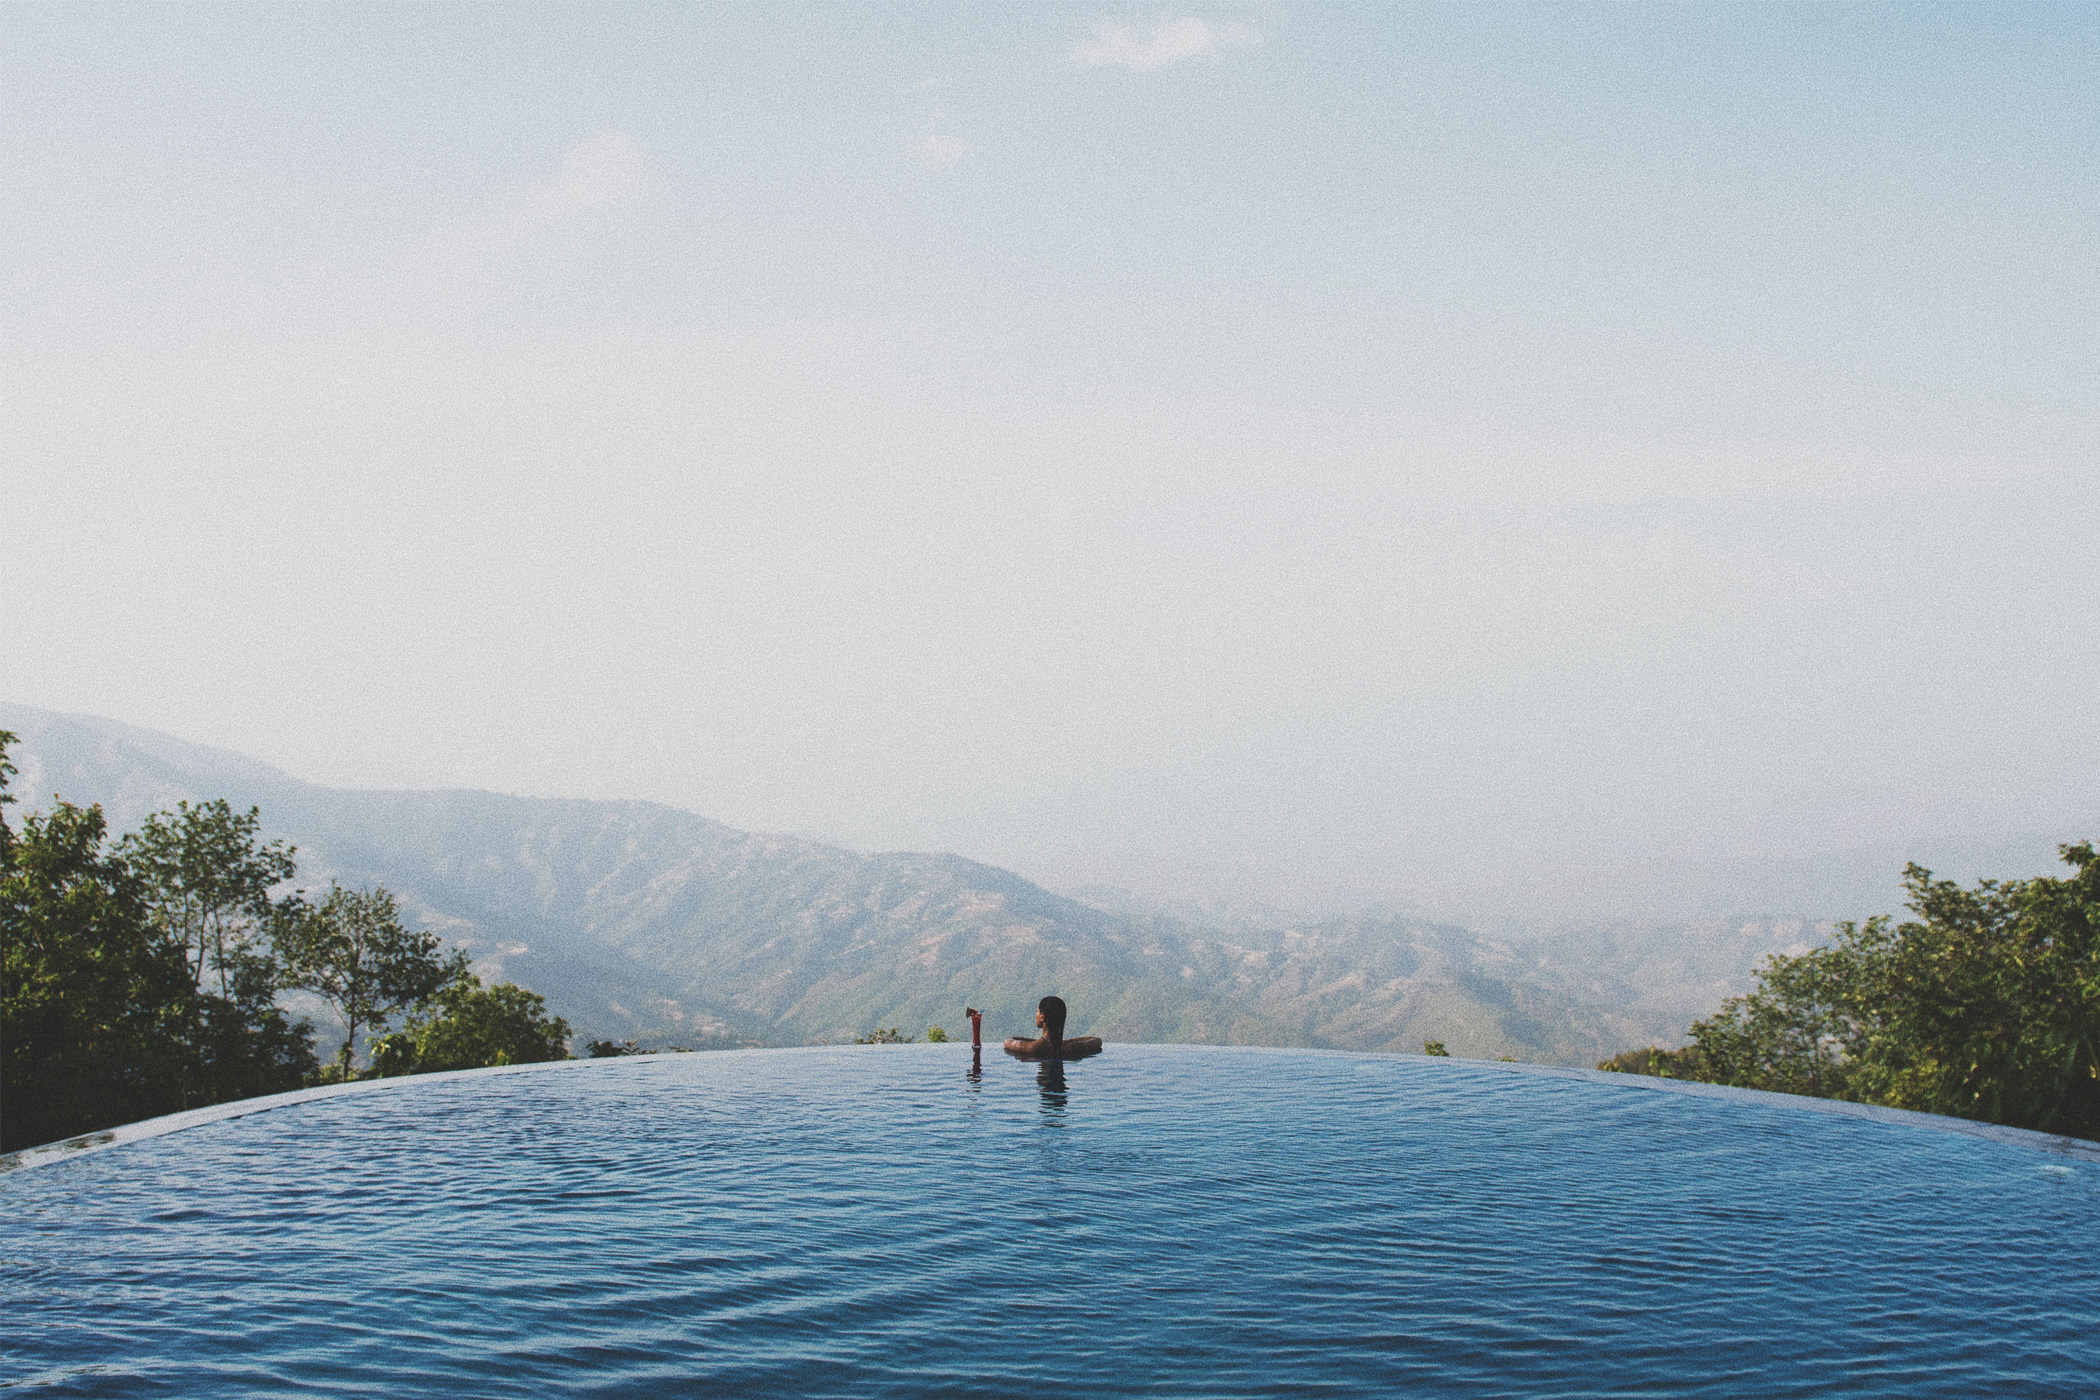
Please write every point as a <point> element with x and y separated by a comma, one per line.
<point>641,921</point>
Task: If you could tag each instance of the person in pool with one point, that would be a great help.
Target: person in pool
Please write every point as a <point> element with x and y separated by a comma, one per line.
<point>1051,1044</point>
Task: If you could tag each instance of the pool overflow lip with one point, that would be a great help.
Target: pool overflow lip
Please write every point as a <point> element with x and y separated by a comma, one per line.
<point>49,1153</point>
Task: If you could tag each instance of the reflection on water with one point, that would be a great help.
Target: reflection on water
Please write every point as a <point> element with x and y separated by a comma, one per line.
<point>1050,1083</point>
<point>975,1073</point>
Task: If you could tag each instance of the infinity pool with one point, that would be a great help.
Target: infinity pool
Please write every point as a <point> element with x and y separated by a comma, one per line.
<point>1170,1221</point>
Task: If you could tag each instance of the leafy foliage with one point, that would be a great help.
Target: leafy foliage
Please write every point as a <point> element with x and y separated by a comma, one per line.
<point>1986,1006</point>
<point>142,977</point>
<point>353,952</point>
<point>469,1026</point>
<point>936,1036</point>
<point>206,877</point>
<point>95,1007</point>
<point>1435,1047</point>
<point>107,1018</point>
<point>607,1049</point>
<point>891,1036</point>
<point>1686,1063</point>
<point>1797,1033</point>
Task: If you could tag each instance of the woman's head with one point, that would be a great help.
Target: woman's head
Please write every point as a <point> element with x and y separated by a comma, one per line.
<point>1050,1015</point>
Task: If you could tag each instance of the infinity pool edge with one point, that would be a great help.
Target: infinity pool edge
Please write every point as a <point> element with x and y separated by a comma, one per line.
<point>86,1144</point>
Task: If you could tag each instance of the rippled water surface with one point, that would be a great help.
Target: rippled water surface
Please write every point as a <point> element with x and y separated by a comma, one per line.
<point>1159,1221</point>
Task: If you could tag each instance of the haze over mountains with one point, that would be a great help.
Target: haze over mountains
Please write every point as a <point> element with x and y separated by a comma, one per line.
<point>641,921</point>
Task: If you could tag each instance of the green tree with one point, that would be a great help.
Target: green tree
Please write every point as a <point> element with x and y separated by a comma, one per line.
<point>469,1026</point>
<point>1800,1031</point>
<point>95,1007</point>
<point>1662,1064</point>
<point>353,952</point>
<point>1985,1005</point>
<point>244,1044</point>
<point>1988,1004</point>
<point>207,877</point>
<point>106,1016</point>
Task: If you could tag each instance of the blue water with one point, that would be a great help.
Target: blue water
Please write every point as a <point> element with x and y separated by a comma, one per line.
<point>1169,1221</point>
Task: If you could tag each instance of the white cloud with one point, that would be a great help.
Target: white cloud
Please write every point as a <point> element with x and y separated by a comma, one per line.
<point>1167,41</point>
<point>596,171</point>
<point>939,145</point>
<point>938,150</point>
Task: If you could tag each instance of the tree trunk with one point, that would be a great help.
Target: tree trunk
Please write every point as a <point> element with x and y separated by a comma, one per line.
<point>349,1040</point>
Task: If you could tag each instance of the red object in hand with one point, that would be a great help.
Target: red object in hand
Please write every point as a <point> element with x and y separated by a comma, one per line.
<point>976,1026</point>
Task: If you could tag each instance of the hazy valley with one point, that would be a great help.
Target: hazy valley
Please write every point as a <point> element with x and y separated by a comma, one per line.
<point>641,921</point>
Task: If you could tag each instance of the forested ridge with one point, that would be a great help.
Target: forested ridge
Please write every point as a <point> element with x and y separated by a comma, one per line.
<point>1985,1005</point>
<point>142,975</point>
<point>647,923</point>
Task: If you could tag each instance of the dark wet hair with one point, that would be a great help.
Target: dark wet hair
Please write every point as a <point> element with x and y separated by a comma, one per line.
<point>1053,1009</point>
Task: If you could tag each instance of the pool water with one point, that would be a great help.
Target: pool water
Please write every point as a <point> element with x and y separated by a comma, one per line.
<point>1159,1221</point>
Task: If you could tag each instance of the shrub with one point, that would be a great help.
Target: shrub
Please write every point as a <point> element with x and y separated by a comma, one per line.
<point>469,1026</point>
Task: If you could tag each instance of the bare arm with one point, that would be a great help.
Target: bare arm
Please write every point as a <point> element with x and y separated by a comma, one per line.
<point>1074,1047</point>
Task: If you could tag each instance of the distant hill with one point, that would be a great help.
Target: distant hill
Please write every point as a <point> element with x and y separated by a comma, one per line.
<point>638,920</point>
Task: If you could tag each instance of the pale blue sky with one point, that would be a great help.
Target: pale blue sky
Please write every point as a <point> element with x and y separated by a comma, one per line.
<point>1368,447</point>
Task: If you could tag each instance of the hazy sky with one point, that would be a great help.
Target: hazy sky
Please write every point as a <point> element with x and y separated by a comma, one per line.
<point>1371,447</point>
